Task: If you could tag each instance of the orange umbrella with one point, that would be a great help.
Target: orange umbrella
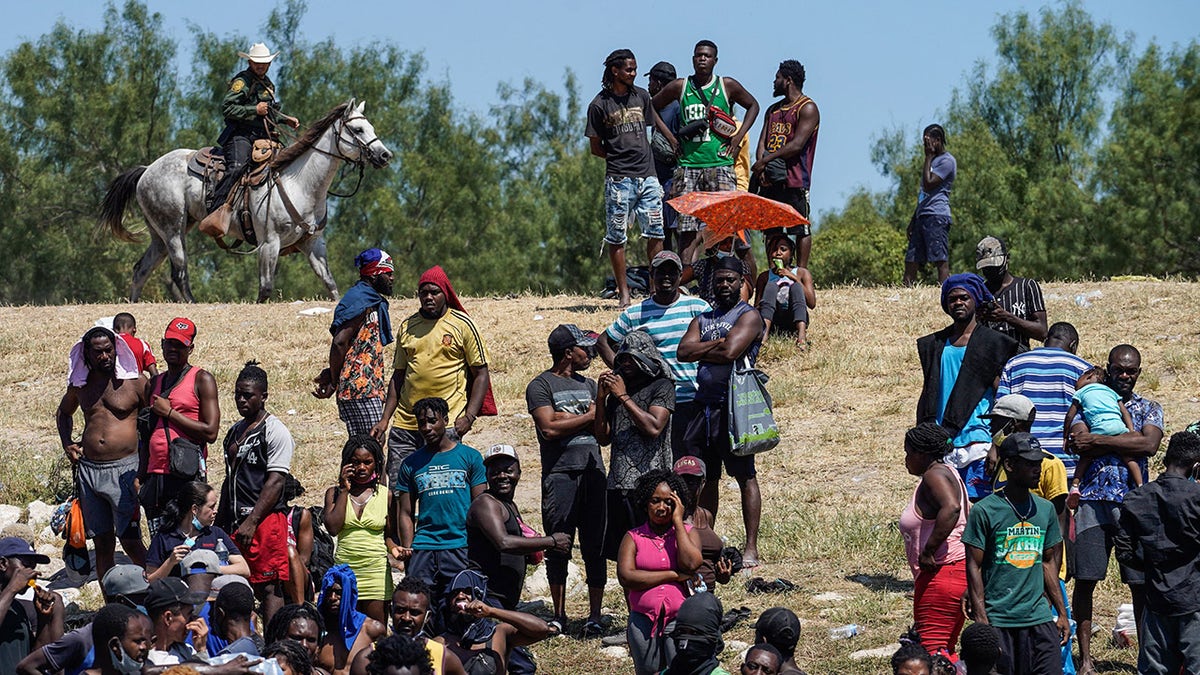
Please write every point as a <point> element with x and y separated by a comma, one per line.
<point>727,212</point>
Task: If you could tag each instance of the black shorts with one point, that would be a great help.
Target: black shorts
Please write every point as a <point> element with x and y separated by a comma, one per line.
<point>707,437</point>
<point>797,198</point>
<point>1034,650</point>
<point>1091,552</point>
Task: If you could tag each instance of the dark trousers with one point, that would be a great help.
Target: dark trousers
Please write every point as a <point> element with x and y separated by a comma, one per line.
<point>237,155</point>
<point>1169,642</point>
<point>796,311</point>
<point>576,500</point>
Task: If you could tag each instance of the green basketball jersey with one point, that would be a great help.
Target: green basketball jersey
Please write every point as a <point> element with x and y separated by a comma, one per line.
<point>703,149</point>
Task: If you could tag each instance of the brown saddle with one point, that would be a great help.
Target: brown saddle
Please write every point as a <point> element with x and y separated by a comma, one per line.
<point>209,167</point>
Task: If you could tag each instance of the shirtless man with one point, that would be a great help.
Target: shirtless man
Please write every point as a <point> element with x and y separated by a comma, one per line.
<point>410,609</point>
<point>107,455</point>
<point>337,652</point>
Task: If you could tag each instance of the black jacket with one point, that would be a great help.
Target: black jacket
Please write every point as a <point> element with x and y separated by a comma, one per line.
<point>1160,534</point>
<point>987,352</point>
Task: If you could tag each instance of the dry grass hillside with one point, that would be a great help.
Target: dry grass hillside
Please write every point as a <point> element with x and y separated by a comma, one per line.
<point>832,491</point>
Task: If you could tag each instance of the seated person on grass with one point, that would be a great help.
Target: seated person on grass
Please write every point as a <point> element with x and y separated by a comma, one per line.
<point>785,293</point>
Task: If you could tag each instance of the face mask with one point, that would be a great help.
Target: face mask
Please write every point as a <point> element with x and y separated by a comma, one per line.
<point>724,254</point>
<point>999,436</point>
<point>196,523</point>
<point>123,663</point>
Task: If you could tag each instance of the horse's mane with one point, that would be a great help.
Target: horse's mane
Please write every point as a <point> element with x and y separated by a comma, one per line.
<point>311,134</point>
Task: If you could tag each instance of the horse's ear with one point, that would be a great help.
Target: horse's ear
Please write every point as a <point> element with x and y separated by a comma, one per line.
<point>350,103</point>
<point>361,105</point>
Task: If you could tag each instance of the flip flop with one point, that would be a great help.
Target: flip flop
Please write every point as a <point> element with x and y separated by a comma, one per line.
<point>750,563</point>
<point>556,627</point>
<point>760,586</point>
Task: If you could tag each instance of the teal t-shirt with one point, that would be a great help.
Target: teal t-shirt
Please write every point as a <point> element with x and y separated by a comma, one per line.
<point>1013,585</point>
<point>1101,408</point>
<point>976,429</point>
<point>440,484</point>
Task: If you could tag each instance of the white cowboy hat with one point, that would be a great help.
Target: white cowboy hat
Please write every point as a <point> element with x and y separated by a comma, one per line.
<point>258,54</point>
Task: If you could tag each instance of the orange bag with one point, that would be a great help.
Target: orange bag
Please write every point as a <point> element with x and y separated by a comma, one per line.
<point>74,532</point>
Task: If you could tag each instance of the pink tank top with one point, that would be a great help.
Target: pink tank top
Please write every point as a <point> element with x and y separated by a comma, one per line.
<point>186,402</point>
<point>916,530</point>
<point>655,554</point>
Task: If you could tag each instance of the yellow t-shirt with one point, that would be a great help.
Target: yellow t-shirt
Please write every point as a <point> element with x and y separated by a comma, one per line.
<point>741,164</point>
<point>435,355</point>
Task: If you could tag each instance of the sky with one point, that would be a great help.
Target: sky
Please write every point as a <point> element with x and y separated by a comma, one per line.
<point>871,66</point>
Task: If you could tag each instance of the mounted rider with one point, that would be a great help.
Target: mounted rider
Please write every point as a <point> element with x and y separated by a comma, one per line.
<point>251,113</point>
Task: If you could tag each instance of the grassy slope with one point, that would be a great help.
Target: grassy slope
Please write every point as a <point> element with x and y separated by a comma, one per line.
<point>832,491</point>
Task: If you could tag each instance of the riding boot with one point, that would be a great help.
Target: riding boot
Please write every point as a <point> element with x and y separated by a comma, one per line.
<point>237,157</point>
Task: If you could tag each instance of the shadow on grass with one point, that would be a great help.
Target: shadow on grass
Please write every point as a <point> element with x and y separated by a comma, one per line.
<point>882,583</point>
<point>586,308</point>
<point>1114,667</point>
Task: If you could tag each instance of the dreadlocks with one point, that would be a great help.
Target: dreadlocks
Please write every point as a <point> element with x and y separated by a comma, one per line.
<point>617,58</point>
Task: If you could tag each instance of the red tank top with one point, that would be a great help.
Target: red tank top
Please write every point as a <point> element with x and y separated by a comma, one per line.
<point>781,127</point>
<point>186,402</point>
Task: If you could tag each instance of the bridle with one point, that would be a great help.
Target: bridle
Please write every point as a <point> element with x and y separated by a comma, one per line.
<point>355,143</point>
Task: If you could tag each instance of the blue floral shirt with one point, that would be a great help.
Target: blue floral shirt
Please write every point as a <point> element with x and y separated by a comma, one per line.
<point>1107,479</point>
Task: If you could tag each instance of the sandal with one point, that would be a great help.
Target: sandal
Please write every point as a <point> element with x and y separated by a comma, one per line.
<point>591,629</point>
<point>759,586</point>
<point>556,625</point>
<point>733,617</point>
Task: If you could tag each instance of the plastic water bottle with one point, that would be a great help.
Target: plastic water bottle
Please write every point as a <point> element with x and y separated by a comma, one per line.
<point>222,552</point>
<point>843,632</point>
<point>697,584</point>
<point>1125,630</point>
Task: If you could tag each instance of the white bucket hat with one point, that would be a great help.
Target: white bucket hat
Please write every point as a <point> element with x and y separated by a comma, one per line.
<point>258,54</point>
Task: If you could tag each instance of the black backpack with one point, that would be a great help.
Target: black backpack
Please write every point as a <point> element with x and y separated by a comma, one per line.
<point>322,555</point>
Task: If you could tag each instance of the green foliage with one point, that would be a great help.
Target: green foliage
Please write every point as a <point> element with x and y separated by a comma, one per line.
<point>505,203</point>
<point>1037,166</point>
<point>859,245</point>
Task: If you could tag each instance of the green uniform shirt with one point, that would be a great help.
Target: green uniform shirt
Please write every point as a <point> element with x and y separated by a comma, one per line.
<point>241,101</point>
<point>1013,586</point>
<point>703,149</point>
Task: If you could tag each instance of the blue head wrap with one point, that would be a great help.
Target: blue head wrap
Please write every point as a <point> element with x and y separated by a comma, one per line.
<point>350,620</point>
<point>971,283</point>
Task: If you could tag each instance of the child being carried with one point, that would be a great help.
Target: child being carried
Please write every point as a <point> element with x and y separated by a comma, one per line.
<point>1105,415</point>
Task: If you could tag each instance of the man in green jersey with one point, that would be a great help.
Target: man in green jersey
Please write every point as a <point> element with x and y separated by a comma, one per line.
<point>705,159</point>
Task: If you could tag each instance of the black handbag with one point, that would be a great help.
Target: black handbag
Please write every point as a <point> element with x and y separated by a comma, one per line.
<point>183,454</point>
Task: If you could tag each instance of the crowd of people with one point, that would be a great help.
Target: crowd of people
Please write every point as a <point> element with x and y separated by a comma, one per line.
<point>697,143</point>
<point>425,531</point>
<point>1033,467</point>
<point>1033,464</point>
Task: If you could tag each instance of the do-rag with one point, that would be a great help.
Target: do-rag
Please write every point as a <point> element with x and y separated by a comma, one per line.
<point>437,276</point>
<point>350,620</point>
<point>971,283</point>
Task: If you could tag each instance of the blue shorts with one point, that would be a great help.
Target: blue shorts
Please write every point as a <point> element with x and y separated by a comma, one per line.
<point>626,198</point>
<point>929,240</point>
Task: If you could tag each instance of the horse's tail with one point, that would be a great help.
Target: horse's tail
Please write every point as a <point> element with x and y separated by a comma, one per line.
<point>112,211</point>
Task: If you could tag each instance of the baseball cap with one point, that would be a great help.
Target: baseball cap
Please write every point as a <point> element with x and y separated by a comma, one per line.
<point>201,561</point>
<point>690,466</point>
<point>172,591</point>
<point>666,257</point>
<point>226,580</point>
<point>1023,445</point>
<point>16,547</point>
<point>990,252</point>
<point>499,450</point>
<point>662,71</point>
<point>1014,407</point>
<point>181,329</point>
<point>779,625</point>
<point>567,335</point>
<point>124,580</point>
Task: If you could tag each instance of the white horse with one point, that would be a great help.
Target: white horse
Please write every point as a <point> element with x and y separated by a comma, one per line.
<point>287,210</point>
